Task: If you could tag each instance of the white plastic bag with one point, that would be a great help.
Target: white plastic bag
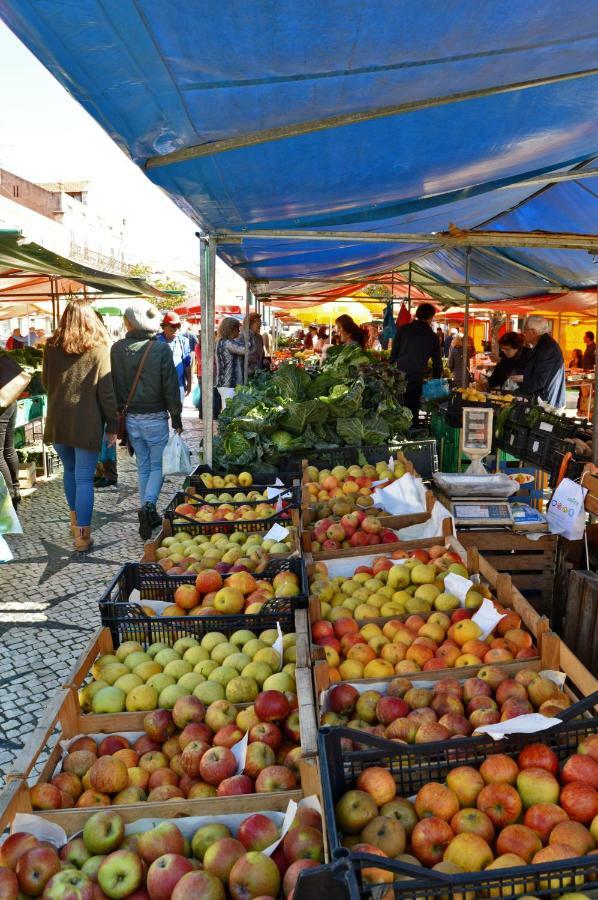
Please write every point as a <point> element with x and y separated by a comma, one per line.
<point>566,514</point>
<point>176,459</point>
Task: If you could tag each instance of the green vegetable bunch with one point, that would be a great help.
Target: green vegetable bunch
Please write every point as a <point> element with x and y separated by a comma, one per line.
<point>353,398</point>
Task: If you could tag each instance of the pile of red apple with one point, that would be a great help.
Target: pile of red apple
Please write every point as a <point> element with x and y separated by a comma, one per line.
<point>184,753</point>
<point>506,812</point>
<point>419,645</point>
<point>355,529</point>
<point>224,512</point>
<point>410,714</point>
<point>162,863</point>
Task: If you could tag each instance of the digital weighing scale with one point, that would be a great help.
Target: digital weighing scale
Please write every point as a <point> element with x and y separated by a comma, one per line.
<point>479,512</point>
<point>475,498</point>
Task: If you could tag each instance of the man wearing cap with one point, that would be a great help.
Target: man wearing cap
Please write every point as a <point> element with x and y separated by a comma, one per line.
<point>179,346</point>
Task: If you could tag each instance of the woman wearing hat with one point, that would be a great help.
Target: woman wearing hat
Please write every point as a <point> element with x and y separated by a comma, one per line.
<point>148,402</point>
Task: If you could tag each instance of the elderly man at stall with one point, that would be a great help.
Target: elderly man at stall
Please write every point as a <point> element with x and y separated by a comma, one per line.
<point>544,373</point>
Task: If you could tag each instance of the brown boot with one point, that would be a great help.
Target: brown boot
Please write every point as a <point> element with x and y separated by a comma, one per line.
<point>83,539</point>
<point>73,526</point>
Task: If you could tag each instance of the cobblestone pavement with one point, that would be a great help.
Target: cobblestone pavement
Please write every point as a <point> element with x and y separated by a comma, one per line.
<point>49,594</point>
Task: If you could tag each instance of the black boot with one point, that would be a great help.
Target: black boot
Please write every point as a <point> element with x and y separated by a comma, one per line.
<point>145,527</point>
<point>16,496</point>
<point>154,516</point>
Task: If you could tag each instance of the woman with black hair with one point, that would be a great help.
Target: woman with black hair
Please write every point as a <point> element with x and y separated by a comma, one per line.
<point>350,332</point>
<point>513,357</point>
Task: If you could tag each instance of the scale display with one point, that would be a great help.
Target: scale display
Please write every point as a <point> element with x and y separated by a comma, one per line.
<point>490,513</point>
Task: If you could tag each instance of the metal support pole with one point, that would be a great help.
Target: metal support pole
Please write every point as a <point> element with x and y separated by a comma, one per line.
<point>207,260</point>
<point>246,334</point>
<point>465,354</point>
<point>409,290</point>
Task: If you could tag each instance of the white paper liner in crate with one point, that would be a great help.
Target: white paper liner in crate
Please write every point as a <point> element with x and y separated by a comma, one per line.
<point>403,496</point>
<point>487,617</point>
<point>529,724</point>
<point>188,825</point>
<point>458,586</point>
<point>431,528</point>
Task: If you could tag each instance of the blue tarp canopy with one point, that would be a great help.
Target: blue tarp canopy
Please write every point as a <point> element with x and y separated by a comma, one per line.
<point>452,106</point>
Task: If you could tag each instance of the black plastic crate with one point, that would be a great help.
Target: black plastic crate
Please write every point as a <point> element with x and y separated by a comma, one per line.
<point>127,621</point>
<point>455,405</point>
<point>262,475</point>
<point>422,454</point>
<point>575,465</point>
<point>548,880</point>
<point>190,526</point>
<point>514,439</point>
<point>292,500</point>
<point>542,447</point>
<point>412,766</point>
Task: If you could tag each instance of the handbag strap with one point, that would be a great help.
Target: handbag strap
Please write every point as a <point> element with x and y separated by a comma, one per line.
<point>137,377</point>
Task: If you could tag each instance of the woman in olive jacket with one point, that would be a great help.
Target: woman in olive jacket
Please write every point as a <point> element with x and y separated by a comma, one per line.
<point>156,396</point>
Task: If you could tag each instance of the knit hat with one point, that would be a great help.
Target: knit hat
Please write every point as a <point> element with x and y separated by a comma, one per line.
<point>143,316</point>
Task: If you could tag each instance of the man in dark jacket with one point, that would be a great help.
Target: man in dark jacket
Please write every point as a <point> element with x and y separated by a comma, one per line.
<point>413,346</point>
<point>155,397</point>
<point>589,354</point>
<point>544,373</point>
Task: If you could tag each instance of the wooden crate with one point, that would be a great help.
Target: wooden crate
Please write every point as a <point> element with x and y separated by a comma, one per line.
<point>531,564</point>
<point>591,483</point>
<point>580,626</point>
<point>580,682</point>
<point>62,720</point>
<point>504,591</point>
<point>150,547</point>
<point>447,531</point>
<point>101,643</point>
<point>14,798</point>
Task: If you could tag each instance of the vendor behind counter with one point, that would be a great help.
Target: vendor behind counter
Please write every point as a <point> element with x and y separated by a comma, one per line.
<point>513,357</point>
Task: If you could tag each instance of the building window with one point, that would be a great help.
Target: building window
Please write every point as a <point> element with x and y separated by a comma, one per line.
<point>15,190</point>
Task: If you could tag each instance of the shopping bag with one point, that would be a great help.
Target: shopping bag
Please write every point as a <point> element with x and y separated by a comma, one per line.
<point>435,389</point>
<point>176,459</point>
<point>566,514</point>
<point>196,395</point>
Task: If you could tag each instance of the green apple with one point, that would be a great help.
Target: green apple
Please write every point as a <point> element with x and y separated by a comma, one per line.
<point>120,874</point>
<point>212,639</point>
<point>127,682</point>
<point>109,700</point>
<point>171,694</point>
<point>128,647</point>
<point>135,659</point>
<point>163,657</point>
<point>195,655</point>
<point>143,697</point>
<point>280,681</point>
<point>209,691</point>
<point>103,832</point>
<point>154,649</point>
<point>177,668</point>
<point>242,690</point>
<point>185,643</point>
<point>160,681</point>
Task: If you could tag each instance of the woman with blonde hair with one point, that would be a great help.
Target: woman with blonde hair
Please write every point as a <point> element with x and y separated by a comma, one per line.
<point>257,353</point>
<point>229,358</point>
<point>76,375</point>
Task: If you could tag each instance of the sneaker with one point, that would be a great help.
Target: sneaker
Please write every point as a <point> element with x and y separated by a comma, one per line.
<point>145,526</point>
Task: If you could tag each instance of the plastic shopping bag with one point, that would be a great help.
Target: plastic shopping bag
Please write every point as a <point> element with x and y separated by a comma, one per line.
<point>566,514</point>
<point>196,395</point>
<point>176,459</point>
<point>9,521</point>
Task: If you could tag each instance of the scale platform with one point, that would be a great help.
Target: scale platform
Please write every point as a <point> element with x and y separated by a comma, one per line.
<point>486,512</point>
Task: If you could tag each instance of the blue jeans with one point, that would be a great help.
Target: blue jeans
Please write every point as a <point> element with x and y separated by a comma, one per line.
<point>79,468</point>
<point>148,435</point>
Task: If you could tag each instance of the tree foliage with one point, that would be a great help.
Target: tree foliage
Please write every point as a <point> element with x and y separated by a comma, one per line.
<point>163,283</point>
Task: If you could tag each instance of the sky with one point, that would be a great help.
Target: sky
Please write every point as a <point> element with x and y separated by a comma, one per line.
<point>45,135</point>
